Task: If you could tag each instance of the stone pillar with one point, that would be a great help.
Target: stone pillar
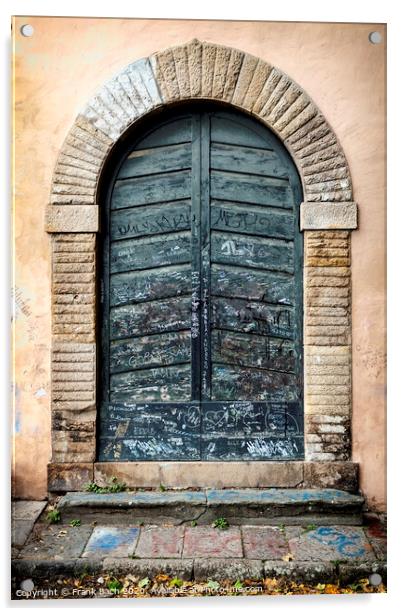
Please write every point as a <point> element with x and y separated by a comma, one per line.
<point>73,349</point>
<point>327,340</point>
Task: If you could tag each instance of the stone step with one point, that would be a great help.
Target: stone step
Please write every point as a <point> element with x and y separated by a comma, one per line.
<point>238,506</point>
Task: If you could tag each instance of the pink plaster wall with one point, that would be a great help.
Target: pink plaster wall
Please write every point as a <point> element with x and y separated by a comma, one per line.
<point>55,73</point>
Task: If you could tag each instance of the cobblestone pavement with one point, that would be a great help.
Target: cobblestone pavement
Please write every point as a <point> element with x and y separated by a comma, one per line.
<point>192,551</point>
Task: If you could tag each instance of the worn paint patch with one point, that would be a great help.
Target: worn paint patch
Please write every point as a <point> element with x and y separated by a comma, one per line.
<point>157,542</point>
<point>332,543</point>
<point>264,542</point>
<point>40,393</point>
<point>280,496</point>
<point>111,541</point>
<point>17,409</point>
<point>212,542</point>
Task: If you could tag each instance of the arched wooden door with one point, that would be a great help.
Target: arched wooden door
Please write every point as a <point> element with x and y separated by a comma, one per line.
<point>202,295</point>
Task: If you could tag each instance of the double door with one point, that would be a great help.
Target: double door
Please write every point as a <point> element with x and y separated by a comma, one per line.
<point>202,295</point>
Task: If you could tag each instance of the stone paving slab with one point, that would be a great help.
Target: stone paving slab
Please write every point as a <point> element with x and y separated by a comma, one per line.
<point>58,542</point>
<point>264,542</point>
<point>111,541</point>
<point>329,543</point>
<point>24,514</point>
<point>27,510</point>
<point>160,542</point>
<point>20,531</point>
<point>212,542</point>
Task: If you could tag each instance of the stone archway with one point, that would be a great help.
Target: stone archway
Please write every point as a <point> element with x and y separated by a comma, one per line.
<point>200,70</point>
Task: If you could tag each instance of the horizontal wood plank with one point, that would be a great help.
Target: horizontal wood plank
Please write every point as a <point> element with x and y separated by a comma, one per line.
<point>135,254</point>
<point>229,281</point>
<point>171,132</point>
<point>228,130</point>
<point>251,220</point>
<point>152,419</point>
<point>151,189</point>
<point>254,351</point>
<point>224,157</point>
<point>239,383</point>
<point>146,285</point>
<point>156,160</point>
<point>253,317</point>
<point>155,350</point>
<point>151,219</point>
<point>152,385</point>
<point>150,317</point>
<point>243,250</point>
<point>250,189</point>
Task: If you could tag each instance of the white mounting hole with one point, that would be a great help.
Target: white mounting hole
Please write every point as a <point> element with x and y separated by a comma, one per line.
<point>375,38</point>
<point>27,30</point>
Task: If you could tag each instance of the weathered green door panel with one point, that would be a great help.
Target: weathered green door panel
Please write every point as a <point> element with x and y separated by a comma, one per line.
<point>134,431</point>
<point>202,311</point>
<point>250,431</point>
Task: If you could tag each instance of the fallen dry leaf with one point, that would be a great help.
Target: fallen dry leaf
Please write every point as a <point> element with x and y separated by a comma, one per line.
<point>288,557</point>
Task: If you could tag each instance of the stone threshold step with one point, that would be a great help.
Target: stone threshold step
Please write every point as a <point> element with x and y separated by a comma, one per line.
<point>202,569</point>
<point>256,506</point>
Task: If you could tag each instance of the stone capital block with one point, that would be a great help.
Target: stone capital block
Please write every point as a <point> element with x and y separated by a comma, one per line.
<point>72,218</point>
<point>315,215</point>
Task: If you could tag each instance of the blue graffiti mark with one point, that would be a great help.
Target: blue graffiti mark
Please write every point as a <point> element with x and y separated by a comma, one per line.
<point>346,544</point>
<point>107,540</point>
<point>17,409</point>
